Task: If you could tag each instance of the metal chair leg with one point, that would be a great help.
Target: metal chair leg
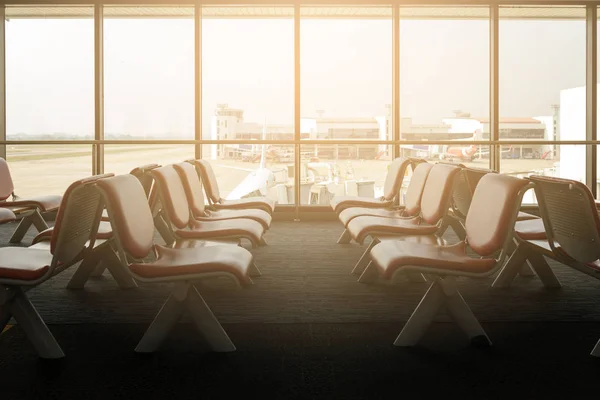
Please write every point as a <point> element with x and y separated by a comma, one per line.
<point>34,327</point>
<point>345,238</point>
<point>207,324</point>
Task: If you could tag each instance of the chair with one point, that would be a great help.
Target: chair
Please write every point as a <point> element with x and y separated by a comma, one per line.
<point>30,210</point>
<point>193,190</point>
<point>489,224</point>
<point>6,216</point>
<point>462,195</point>
<point>177,212</point>
<point>411,207</point>
<point>23,268</point>
<point>421,228</point>
<point>133,228</point>
<point>391,187</point>
<point>572,225</point>
<point>211,187</point>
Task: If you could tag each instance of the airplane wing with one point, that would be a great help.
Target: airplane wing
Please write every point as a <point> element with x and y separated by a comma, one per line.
<point>256,182</point>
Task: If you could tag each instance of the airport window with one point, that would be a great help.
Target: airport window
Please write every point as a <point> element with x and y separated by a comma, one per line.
<point>247,92</point>
<point>542,53</point>
<point>49,96</point>
<point>248,88</point>
<point>444,89</point>
<point>148,73</point>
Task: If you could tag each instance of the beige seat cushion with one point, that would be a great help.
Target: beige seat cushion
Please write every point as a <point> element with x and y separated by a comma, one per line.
<point>24,263</point>
<point>361,227</point>
<point>391,255</point>
<point>196,261</point>
<point>224,228</point>
<point>340,203</point>
<point>258,215</point>
<point>262,203</point>
<point>531,229</point>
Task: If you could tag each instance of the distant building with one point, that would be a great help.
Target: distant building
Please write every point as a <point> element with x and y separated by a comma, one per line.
<point>522,129</point>
<point>228,124</point>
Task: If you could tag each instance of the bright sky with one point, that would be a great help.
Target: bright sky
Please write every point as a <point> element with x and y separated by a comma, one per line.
<point>248,64</point>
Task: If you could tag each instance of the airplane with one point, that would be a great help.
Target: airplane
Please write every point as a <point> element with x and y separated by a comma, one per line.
<point>468,153</point>
<point>258,181</point>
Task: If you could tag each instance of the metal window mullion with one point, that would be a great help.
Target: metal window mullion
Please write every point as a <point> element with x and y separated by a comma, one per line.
<point>494,86</point>
<point>198,80</point>
<point>98,149</point>
<point>297,98</point>
<point>396,80</point>
<point>3,80</point>
<point>591,96</point>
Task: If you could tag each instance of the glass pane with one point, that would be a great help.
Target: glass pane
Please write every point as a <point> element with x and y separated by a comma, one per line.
<point>247,74</point>
<point>50,77</point>
<point>39,170</point>
<point>346,77</point>
<point>249,170</point>
<point>121,159</point>
<point>474,156</point>
<point>342,170</point>
<point>564,161</point>
<point>148,75</point>
<point>542,73</point>
<point>444,73</point>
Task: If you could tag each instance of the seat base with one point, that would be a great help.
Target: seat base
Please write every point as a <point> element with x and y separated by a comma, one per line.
<point>26,315</point>
<point>185,297</point>
<point>442,293</point>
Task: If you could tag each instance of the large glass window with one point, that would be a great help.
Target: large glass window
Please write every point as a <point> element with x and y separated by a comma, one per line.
<point>247,74</point>
<point>50,74</point>
<point>149,73</point>
<point>542,58</point>
<point>49,95</point>
<point>444,81</point>
<point>346,73</point>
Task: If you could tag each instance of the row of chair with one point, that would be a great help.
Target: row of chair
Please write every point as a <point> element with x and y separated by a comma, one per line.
<point>483,208</point>
<point>111,220</point>
<point>30,211</point>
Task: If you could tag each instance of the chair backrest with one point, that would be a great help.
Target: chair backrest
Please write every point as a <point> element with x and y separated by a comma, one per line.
<point>172,195</point>
<point>395,175</point>
<point>193,187</point>
<point>493,211</point>
<point>79,211</point>
<point>464,187</point>
<point>129,213</point>
<point>7,186</point>
<point>143,175</point>
<point>570,216</point>
<point>414,192</point>
<point>209,180</point>
<point>437,192</point>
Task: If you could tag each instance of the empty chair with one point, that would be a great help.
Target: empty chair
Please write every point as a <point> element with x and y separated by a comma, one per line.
<point>391,187</point>
<point>22,268</point>
<point>193,190</point>
<point>211,187</point>
<point>425,226</point>
<point>488,226</point>
<point>132,223</point>
<point>177,211</point>
<point>411,207</point>
<point>30,210</point>
<point>7,216</point>
<point>572,224</point>
<point>462,194</point>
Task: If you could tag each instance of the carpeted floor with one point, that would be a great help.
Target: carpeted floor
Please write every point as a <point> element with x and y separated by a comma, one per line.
<point>307,329</point>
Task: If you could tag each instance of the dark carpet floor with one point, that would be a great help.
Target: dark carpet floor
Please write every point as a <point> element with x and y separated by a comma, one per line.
<point>307,329</point>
